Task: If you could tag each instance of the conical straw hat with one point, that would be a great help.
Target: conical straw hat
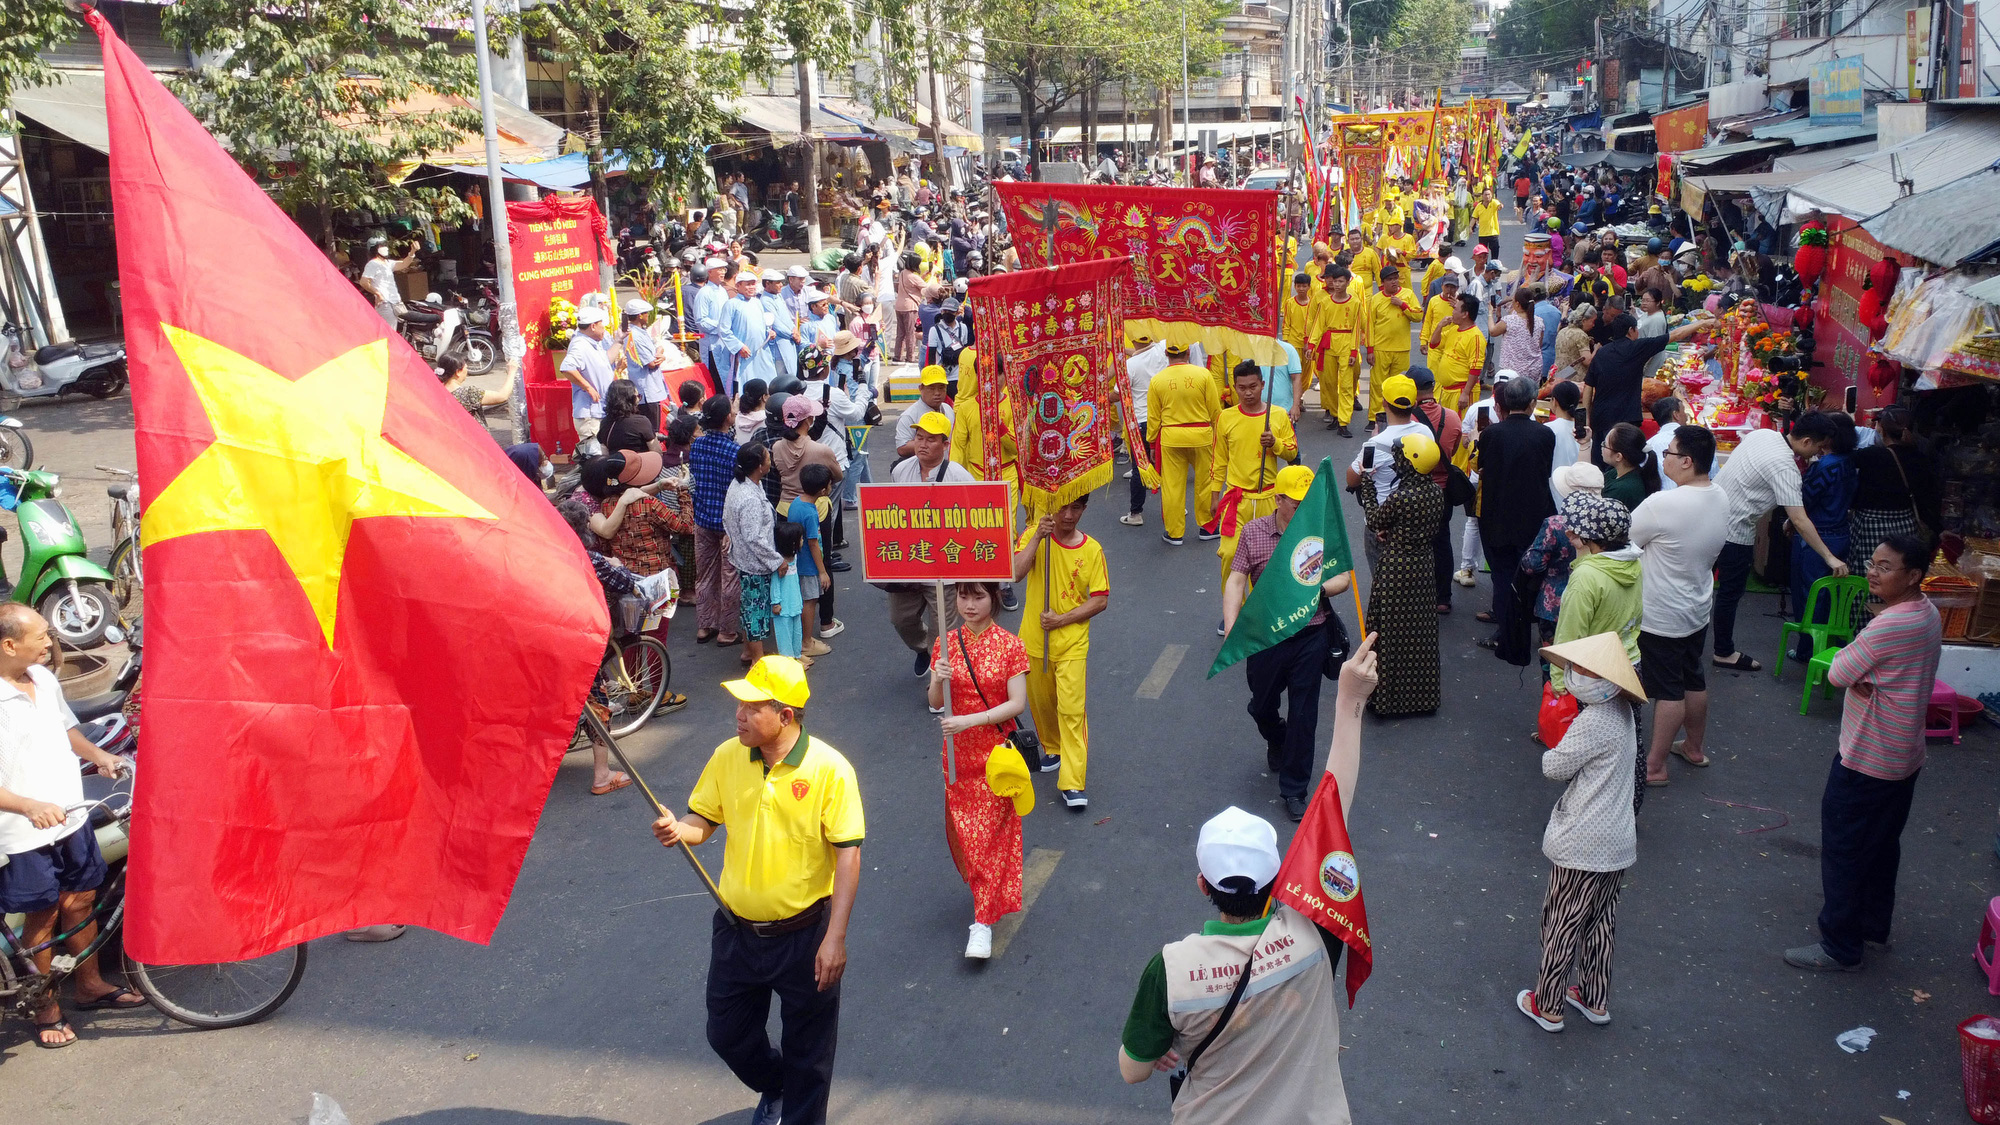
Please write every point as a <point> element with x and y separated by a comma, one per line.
<point>1602,656</point>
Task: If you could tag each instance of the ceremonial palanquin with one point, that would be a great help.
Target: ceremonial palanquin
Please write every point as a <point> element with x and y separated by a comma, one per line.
<point>1051,341</point>
<point>1205,262</point>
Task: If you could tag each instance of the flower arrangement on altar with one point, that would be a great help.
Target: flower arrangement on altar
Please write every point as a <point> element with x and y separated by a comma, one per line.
<point>562,324</point>
<point>1768,344</point>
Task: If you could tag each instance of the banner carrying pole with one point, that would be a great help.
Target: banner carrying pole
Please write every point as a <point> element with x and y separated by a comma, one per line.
<point>599,731</point>
<point>944,648</point>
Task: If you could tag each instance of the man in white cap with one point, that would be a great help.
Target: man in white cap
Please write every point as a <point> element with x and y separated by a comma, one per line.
<point>797,280</point>
<point>587,365</point>
<point>1278,1056</point>
<point>644,359</point>
<point>708,305</point>
<point>746,335</point>
<point>783,351</point>
<point>820,324</point>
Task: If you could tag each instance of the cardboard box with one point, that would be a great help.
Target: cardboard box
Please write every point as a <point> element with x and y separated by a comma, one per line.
<point>416,284</point>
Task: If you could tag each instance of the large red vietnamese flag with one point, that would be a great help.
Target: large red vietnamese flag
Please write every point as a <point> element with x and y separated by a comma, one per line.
<point>368,638</point>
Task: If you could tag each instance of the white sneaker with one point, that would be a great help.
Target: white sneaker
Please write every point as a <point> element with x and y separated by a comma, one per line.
<point>934,710</point>
<point>979,943</point>
<point>832,628</point>
<point>1132,519</point>
<point>1463,577</point>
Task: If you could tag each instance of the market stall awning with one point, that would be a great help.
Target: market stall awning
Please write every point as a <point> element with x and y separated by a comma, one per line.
<point>1695,189</point>
<point>1748,122</point>
<point>72,105</point>
<point>1612,135</point>
<point>1113,134</point>
<point>955,135</point>
<point>1947,225</point>
<point>1703,157</point>
<point>564,173</point>
<point>1803,133</point>
<point>901,136</point>
<point>1823,159</point>
<point>779,116</point>
<point>1988,291</point>
<point>1873,184</point>
<point>1622,161</point>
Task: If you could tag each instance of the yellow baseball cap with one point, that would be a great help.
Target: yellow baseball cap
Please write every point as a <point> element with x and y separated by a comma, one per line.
<point>934,423</point>
<point>932,376</point>
<point>1399,391</point>
<point>774,678</point>
<point>1294,481</point>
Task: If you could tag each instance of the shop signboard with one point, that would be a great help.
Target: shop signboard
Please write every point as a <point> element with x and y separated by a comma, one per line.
<point>1840,356</point>
<point>1968,53</point>
<point>1835,92</point>
<point>1917,50</point>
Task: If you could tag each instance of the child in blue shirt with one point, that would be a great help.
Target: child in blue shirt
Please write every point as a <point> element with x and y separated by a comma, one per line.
<point>787,605</point>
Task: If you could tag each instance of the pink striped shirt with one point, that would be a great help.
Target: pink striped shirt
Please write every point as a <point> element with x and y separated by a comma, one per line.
<point>1882,736</point>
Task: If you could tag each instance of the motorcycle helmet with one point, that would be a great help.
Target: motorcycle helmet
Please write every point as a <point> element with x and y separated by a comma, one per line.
<point>1654,246</point>
<point>690,257</point>
<point>774,406</point>
<point>786,385</point>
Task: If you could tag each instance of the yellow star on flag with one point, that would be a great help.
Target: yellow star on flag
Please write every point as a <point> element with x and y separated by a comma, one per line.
<point>300,460</point>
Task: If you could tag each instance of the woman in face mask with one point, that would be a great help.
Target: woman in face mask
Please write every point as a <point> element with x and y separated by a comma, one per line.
<point>534,465</point>
<point>1591,837</point>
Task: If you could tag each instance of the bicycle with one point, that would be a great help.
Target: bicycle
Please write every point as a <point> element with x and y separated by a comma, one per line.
<point>230,994</point>
<point>127,568</point>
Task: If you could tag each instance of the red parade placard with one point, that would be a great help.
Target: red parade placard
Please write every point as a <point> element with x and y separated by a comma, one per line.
<point>1205,261</point>
<point>936,532</point>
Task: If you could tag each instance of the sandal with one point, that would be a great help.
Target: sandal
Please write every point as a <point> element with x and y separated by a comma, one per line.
<point>618,781</point>
<point>112,1000</point>
<point>1484,617</point>
<point>728,640</point>
<point>1740,663</point>
<point>1679,750</point>
<point>703,636</point>
<point>674,701</point>
<point>805,662</point>
<point>60,1027</point>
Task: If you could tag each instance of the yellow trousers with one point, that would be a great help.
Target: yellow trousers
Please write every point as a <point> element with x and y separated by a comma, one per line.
<point>1388,364</point>
<point>1337,386</point>
<point>1176,462</point>
<point>1247,509</point>
<point>1056,700</point>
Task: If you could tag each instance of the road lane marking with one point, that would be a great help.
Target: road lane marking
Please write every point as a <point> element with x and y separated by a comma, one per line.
<point>1034,876</point>
<point>1155,683</point>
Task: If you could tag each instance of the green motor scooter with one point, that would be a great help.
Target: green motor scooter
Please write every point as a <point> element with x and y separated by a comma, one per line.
<point>57,576</point>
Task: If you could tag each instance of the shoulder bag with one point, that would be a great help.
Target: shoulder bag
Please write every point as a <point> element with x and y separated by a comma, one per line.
<point>1022,742</point>
<point>1178,1077</point>
<point>1923,529</point>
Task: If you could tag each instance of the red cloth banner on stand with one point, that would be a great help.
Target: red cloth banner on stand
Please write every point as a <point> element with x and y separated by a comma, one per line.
<point>556,243</point>
<point>1205,261</point>
<point>1051,341</point>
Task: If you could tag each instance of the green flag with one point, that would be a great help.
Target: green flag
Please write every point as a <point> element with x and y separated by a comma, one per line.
<point>1314,548</point>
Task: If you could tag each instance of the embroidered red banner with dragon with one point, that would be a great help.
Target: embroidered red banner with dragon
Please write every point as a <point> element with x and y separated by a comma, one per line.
<point>1205,261</point>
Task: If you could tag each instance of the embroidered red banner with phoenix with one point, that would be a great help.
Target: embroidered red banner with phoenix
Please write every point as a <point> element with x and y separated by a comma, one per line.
<point>1049,342</point>
<point>1205,261</point>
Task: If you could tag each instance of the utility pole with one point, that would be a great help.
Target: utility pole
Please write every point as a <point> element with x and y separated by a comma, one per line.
<point>1667,69</point>
<point>809,155</point>
<point>1187,101</point>
<point>512,347</point>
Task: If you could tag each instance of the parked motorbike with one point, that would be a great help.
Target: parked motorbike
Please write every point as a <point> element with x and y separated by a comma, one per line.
<point>773,232</point>
<point>57,576</point>
<point>437,328</point>
<point>97,370</point>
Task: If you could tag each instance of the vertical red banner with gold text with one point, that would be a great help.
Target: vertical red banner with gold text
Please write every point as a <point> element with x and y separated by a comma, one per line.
<point>555,243</point>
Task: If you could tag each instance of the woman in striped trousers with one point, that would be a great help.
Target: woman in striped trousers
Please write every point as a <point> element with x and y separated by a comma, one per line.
<point>1591,839</point>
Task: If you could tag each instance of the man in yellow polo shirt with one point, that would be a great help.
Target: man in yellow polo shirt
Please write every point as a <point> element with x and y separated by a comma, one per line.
<point>1056,556</point>
<point>1486,217</point>
<point>790,868</point>
<point>1181,407</point>
<point>1340,351</point>
<point>1437,310</point>
<point>1458,354</point>
<point>1253,440</point>
<point>1391,312</point>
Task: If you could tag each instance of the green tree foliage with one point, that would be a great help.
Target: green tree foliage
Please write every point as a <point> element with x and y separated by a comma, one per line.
<point>1543,29</point>
<point>27,28</point>
<point>651,75</point>
<point>1426,35</point>
<point>310,95</point>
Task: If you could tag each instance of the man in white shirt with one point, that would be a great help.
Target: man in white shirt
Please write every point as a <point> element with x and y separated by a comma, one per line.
<point>588,368</point>
<point>1669,414</point>
<point>378,277</point>
<point>53,867</point>
<point>1681,533</point>
<point>1763,473</point>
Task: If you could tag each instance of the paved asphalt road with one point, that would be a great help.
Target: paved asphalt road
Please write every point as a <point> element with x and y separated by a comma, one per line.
<point>588,1005</point>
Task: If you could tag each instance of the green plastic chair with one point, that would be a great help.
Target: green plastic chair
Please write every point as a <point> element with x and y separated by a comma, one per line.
<point>1844,596</point>
<point>1817,670</point>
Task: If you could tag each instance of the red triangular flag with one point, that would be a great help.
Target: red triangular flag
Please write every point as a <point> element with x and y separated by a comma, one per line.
<point>368,636</point>
<point>1321,880</point>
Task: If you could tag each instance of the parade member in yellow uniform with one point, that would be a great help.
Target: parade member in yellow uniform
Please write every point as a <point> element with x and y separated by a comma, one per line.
<point>1305,326</point>
<point>1056,635</point>
<point>968,439</point>
<point>1458,354</point>
<point>1181,407</point>
<point>1346,335</point>
<point>1364,263</point>
<point>1399,249</point>
<point>791,863</point>
<point>1322,260</point>
<point>1391,311</point>
<point>1253,440</point>
<point>1436,311</point>
<point>1486,217</point>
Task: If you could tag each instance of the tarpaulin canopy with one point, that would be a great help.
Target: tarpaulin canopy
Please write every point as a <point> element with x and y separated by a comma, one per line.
<point>1623,161</point>
<point>900,135</point>
<point>1695,189</point>
<point>779,116</point>
<point>564,173</point>
<point>1873,184</point>
<point>1702,157</point>
<point>72,105</point>
<point>1948,225</point>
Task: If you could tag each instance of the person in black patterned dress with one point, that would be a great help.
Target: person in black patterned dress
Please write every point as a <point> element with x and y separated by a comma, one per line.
<point>1402,601</point>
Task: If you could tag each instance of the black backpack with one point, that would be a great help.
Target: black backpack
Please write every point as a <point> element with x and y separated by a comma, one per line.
<point>1458,488</point>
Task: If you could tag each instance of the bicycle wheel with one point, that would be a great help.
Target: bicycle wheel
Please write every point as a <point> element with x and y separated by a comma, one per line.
<point>230,994</point>
<point>128,578</point>
<point>635,693</point>
<point>16,451</point>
